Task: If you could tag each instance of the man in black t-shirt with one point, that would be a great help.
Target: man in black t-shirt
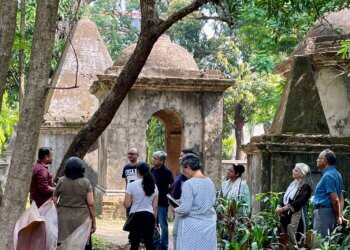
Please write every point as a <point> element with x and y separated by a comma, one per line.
<point>129,170</point>
<point>164,179</point>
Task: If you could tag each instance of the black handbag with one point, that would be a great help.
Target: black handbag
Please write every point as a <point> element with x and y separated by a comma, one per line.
<point>128,223</point>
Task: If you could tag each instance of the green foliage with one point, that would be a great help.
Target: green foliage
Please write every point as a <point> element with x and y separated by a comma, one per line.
<point>24,43</point>
<point>260,231</point>
<point>188,31</point>
<point>132,5</point>
<point>258,92</point>
<point>271,29</point>
<point>155,137</point>
<point>99,243</point>
<point>344,52</point>
<point>263,43</point>
<point>8,120</point>
<point>20,43</point>
<point>227,147</point>
<point>256,88</point>
<point>254,232</point>
<point>114,25</point>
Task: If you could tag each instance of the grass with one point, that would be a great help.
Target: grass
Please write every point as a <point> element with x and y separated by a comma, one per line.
<point>99,243</point>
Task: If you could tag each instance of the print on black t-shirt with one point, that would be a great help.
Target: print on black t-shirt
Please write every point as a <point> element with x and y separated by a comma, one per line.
<point>130,173</point>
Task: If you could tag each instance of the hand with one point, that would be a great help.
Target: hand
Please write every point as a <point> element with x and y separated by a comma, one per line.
<point>279,210</point>
<point>344,220</point>
<point>339,220</point>
<point>93,227</point>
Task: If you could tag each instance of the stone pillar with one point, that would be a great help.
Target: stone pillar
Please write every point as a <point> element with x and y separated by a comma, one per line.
<point>173,148</point>
<point>212,105</point>
<point>112,156</point>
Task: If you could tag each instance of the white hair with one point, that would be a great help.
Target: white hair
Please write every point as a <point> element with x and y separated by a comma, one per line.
<point>161,155</point>
<point>304,168</point>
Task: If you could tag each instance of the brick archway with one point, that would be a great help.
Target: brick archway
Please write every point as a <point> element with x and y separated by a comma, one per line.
<point>173,137</point>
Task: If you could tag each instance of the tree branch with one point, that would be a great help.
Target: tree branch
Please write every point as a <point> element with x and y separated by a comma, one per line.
<point>149,18</point>
<point>180,14</point>
<point>8,14</point>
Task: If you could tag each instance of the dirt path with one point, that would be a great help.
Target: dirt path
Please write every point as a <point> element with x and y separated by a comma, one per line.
<point>111,232</point>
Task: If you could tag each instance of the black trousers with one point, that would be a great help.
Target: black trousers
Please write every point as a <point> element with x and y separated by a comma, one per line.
<point>142,227</point>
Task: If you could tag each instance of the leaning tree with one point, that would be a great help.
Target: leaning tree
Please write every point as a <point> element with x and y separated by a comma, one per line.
<point>17,186</point>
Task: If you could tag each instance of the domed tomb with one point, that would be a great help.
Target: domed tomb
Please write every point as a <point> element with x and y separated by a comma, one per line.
<point>165,54</point>
<point>167,59</point>
<point>322,39</point>
<point>170,87</point>
<point>168,67</point>
<point>334,23</point>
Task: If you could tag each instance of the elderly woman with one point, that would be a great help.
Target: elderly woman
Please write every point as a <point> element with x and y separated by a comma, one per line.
<point>74,199</point>
<point>142,196</point>
<point>293,209</point>
<point>197,217</point>
<point>236,188</point>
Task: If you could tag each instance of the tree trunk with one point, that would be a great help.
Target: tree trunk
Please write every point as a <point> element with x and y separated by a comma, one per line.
<point>8,14</point>
<point>21,55</point>
<point>239,124</point>
<point>19,177</point>
<point>151,29</point>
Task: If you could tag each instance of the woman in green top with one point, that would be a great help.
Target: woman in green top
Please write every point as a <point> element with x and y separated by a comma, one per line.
<point>74,199</point>
<point>236,188</point>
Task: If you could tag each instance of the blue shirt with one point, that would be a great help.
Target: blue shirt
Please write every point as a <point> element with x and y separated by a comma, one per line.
<point>330,182</point>
<point>179,180</point>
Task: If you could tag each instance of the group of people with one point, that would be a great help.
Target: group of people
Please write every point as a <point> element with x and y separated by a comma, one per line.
<point>195,218</point>
<point>327,199</point>
<point>146,201</point>
<point>72,195</point>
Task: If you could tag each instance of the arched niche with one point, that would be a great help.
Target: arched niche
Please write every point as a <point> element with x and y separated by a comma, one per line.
<point>173,136</point>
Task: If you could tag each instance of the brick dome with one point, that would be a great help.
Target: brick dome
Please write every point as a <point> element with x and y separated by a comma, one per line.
<point>165,54</point>
<point>334,23</point>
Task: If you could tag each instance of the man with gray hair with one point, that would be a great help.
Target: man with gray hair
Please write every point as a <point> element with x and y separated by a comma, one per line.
<point>328,199</point>
<point>164,179</point>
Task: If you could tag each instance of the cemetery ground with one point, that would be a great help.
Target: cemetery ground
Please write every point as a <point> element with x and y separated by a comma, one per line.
<point>110,235</point>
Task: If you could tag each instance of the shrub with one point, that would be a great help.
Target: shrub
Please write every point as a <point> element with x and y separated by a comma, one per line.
<point>252,232</point>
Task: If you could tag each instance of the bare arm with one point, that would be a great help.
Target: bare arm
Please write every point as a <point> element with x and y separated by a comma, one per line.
<point>127,200</point>
<point>341,202</point>
<point>55,198</point>
<point>155,205</point>
<point>91,206</point>
<point>336,206</point>
<point>56,194</point>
